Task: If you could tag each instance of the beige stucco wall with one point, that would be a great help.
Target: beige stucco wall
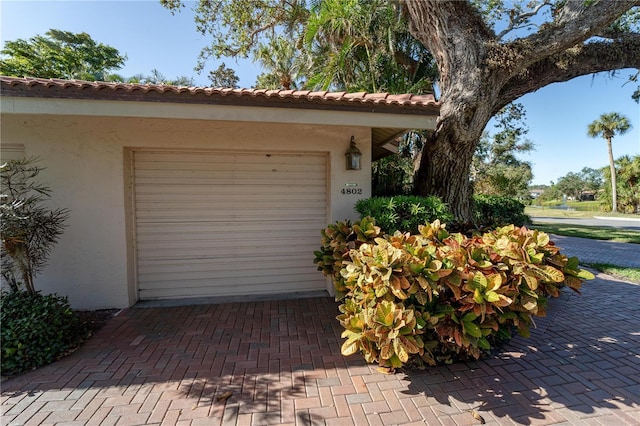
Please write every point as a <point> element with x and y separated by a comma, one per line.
<point>85,160</point>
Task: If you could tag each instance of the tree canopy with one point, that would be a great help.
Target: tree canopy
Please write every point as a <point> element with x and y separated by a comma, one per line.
<point>576,184</point>
<point>487,55</point>
<point>60,54</point>
<point>628,185</point>
<point>496,168</point>
<point>224,77</point>
<point>351,45</point>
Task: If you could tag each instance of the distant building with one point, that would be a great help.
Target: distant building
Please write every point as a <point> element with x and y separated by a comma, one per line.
<point>535,193</point>
<point>588,196</point>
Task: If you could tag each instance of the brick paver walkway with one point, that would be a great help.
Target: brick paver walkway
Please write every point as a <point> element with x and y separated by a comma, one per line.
<point>594,251</point>
<point>280,361</point>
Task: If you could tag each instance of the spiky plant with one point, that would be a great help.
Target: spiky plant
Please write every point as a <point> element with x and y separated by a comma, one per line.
<point>28,228</point>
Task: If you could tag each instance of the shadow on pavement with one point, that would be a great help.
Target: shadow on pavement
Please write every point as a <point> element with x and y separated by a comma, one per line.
<point>279,363</point>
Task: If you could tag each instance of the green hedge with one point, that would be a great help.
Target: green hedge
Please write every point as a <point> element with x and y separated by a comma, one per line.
<point>406,212</point>
<point>35,330</point>
<point>493,211</point>
<point>432,297</point>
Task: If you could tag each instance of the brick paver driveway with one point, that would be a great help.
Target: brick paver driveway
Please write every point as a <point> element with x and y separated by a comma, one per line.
<point>280,361</point>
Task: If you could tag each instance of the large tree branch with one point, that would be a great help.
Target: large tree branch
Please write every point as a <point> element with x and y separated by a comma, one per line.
<point>453,31</point>
<point>593,57</point>
<point>575,22</point>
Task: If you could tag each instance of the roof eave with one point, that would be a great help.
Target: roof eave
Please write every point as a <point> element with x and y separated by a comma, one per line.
<point>290,115</point>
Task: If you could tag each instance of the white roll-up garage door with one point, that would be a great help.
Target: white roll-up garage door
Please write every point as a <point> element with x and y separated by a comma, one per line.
<point>228,223</point>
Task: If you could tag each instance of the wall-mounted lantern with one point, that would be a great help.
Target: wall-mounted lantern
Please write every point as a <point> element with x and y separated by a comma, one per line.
<point>353,156</point>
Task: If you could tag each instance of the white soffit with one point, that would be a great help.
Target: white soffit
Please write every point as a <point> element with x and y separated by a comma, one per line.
<point>101,108</point>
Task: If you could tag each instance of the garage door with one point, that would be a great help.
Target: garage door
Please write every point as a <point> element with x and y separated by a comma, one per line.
<point>228,223</point>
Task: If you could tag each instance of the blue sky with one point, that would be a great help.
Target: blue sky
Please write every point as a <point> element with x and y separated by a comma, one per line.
<point>151,37</point>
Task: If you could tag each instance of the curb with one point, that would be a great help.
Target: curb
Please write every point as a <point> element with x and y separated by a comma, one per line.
<point>632,219</point>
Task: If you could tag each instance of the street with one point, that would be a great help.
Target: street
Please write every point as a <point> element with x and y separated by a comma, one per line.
<point>621,223</point>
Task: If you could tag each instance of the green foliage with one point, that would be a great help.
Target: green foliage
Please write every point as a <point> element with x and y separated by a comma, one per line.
<point>60,54</point>
<point>627,183</point>
<point>337,240</point>
<point>431,297</point>
<point>35,330</point>
<point>392,175</point>
<point>224,77</point>
<point>356,45</point>
<point>496,169</point>
<point>282,61</point>
<point>551,196</point>
<point>351,45</point>
<point>583,185</point>
<point>404,213</point>
<point>237,26</point>
<point>28,228</point>
<point>608,126</point>
<point>156,77</point>
<point>493,211</point>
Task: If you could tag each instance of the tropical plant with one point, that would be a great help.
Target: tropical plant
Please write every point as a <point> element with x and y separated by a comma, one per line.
<point>607,126</point>
<point>28,228</point>
<point>60,54</point>
<point>365,46</point>
<point>282,62</point>
<point>404,213</point>
<point>432,297</point>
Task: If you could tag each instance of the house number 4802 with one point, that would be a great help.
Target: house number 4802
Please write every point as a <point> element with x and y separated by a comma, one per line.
<point>351,191</point>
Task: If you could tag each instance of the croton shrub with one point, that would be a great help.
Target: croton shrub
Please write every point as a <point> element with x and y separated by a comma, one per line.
<point>435,297</point>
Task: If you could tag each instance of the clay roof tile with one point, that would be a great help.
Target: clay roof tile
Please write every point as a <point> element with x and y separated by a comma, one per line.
<point>404,103</point>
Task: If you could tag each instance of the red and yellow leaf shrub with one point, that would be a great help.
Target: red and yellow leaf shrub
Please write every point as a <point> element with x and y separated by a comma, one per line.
<point>433,297</point>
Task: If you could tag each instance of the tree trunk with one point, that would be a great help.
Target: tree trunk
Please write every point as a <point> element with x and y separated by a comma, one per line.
<point>444,168</point>
<point>614,184</point>
<point>444,172</point>
<point>479,74</point>
<point>458,40</point>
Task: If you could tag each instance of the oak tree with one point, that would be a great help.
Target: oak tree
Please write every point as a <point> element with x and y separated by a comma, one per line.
<point>481,70</point>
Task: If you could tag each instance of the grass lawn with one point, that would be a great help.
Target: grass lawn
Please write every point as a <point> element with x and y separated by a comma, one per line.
<point>593,232</point>
<point>576,209</point>
<point>628,274</point>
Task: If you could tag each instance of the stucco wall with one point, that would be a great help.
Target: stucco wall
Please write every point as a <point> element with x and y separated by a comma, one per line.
<point>85,167</point>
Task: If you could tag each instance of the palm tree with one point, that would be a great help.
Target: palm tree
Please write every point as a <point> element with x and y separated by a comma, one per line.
<point>607,126</point>
<point>282,61</point>
<point>357,45</point>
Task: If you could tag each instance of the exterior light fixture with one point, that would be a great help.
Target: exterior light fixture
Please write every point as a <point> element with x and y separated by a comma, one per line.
<point>353,156</point>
